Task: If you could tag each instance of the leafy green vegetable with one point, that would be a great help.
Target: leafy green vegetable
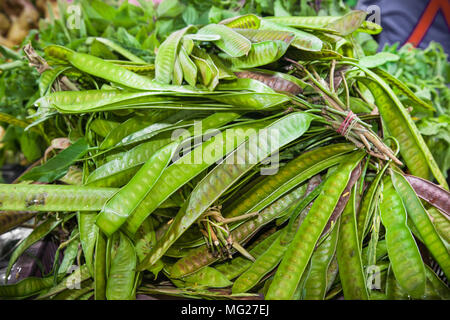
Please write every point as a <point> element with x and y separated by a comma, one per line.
<point>378,59</point>
<point>426,73</point>
<point>57,166</point>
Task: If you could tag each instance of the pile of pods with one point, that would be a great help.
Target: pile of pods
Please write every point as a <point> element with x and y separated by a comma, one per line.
<point>257,158</point>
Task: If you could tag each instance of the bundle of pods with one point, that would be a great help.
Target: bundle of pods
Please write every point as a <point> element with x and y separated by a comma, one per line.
<point>257,158</point>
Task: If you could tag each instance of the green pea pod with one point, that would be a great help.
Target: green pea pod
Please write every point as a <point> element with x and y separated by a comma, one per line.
<point>439,287</point>
<point>109,71</point>
<point>358,105</point>
<point>407,264</point>
<point>348,23</point>
<point>370,256</point>
<point>122,270</point>
<point>167,52</point>
<point>120,50</point>
<point>369,200</point>
<point>38,233</point>
<point>303,40</point>
<point>261,53</point>
<point>413,149</point>
<point>207,277</point>
<point>435,289</point>
<point>238,265</point>
<point>202,256</point>
<point>315,285</point>
<point>235,165</point>
<point>48,77</point>
<point>88,236</point>
<point>248,21</point>
<point>145,238</point>
<point>230,42</point>
<point>118,208</point>
<point>69,283</point>
<point>332,274</point>
<point>201,37</point>
<point>349,255</point>
<point>258,35</point>
<point>380,253</point>
<point>299,212</point>
<point>145,69</point>
<point>214,71</point>
<point>317,23</point>
<point>245,85</point>
<point>188,67</point>
<point>300,250</point>
<point>418,215</point>
<point>393,289</point>
<point>441,223</point>
<point>294,173</point>
<point>25,288</point>
<point>74,102</point>
<point>88,295</point>
<point>132,125</point>
<point>180,120</point>
<point>252,100</point>
<point>225,72</point>
<point>298,294</point>
<point>205,70</point>
<point>122,168</point>
<point>118,171</point>
<point>47,198</point>
<point>400,86</point>
<point>324,54</point>
<point>344,25</point>
<point>75,294</point>
<point>100,267</point>
<point>58,52</point>
<point>186,168</point>
<point>265,263</point>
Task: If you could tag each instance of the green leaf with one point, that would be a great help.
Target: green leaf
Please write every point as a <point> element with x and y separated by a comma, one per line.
<point>106,11</point>
<point>214,14</point>
<point>190,15</point>
<point>169,9</point>
<point>29,145</point>
<point>279,10</point>
<point>57,166</point>
<point>378,59</point>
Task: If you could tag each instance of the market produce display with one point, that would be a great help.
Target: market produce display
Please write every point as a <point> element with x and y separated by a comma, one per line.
<point>256,157</point>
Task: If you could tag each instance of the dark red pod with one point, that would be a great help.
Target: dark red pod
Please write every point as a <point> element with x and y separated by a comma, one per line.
<point>273,81</point>
<point>431,193</point>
